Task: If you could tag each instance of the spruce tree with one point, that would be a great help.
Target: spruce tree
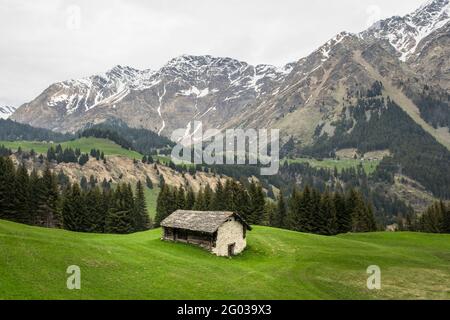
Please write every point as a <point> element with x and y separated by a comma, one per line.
<point>208,197</point>
<point>120,216</point>
<point>7,180</point>
<point>71,209</point>
<point>257,203</point>
<point>218,200</point>
<point>200,203</point>
<point>279,220</point>
<point>190,199</point>
<point>343,217</point>
<point>141,217</point>
<point>49,212</point>
<point>163,205</point>
<point>180,198</point>
<point>329,225</point>
<point>22,196</point>
<point>96,212</point>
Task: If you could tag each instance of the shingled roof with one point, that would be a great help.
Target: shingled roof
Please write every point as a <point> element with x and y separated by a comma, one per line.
<point>202,221</point>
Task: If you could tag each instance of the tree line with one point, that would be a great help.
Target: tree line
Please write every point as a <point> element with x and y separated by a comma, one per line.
<point>436,219</point>
<point>69,155</point>
<point>140,140</point>
<point>14,131</point>
<point>40,200</point>
<point>307,210</point>
<point>248,201</point>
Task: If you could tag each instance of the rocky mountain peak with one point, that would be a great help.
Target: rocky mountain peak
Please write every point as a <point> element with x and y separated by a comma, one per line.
<point>405,33</point>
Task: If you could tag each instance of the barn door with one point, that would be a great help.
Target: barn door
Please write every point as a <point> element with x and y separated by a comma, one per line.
<point>231,249</point>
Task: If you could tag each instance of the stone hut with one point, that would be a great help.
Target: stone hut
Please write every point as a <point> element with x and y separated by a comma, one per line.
<point>222,233</point>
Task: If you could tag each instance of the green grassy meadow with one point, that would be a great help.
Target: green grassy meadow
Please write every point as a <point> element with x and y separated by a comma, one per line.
<point>84,144</point>
<point>369,166</point>
<point>278,264</point>
<point>151,195</point>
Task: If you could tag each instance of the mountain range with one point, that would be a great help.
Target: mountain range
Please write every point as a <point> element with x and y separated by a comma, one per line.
<point>306,99</point>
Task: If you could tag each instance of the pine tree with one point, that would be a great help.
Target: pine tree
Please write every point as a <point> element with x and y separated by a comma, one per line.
<point>218,200</point>
<point>163,205</point>
<point>280,218</point>
<point>315,214</point>
<point>257,203</point>
<point>446,220</point>
<point>37,197</point>
<point>180,198</point>
<point>241,200</point>
<point>190,199</point>
<point>120,216</point>
<point>307,209</point>
<point>200,204</point>
<point>141,217</point>
<point>72,219</point>
<point>22,196</point>
<point>96,211</point>
<point>84,183</point>
<point>49,212</point>
<point>329,225</point>
<point>7,179</point>
<point>343,217</point>
<point>208,197</point>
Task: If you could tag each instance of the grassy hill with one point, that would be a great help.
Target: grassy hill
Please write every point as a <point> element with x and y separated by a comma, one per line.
<point>369,166</point>
<point>84,144</point>
<point>277,265</point>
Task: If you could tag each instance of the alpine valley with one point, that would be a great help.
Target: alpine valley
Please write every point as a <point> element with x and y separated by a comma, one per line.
<point>381,95</point>
<point>93,206</point>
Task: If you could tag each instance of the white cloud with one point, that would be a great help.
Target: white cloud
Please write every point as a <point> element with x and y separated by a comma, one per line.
<point>45,41</point>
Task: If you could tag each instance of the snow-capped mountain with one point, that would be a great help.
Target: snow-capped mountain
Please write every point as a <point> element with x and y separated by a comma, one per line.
<point>299,98</point>
<point>6,112</point>
<point>102,89</point>
<point>196,85</point>
<point>405,33</point>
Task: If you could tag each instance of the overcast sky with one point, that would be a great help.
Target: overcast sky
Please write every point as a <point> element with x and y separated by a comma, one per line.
<point>45,41</point>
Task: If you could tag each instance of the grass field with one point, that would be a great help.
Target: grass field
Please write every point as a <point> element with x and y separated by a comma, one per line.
<point>84,144</point>
<point>150,198</point>
<point>277,265</point>
<point>369,166</point>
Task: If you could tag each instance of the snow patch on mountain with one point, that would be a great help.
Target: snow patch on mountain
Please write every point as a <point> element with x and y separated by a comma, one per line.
<point>6,112</point>
<point>405,33</point>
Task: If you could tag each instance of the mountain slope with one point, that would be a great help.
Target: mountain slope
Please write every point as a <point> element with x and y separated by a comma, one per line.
<point>277,265</point>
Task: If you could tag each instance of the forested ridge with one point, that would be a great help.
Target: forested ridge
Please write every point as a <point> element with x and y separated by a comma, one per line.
<point>141,140</point>
<point>13,131</point>
<point>376,123</point>
<point>50,200</point>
